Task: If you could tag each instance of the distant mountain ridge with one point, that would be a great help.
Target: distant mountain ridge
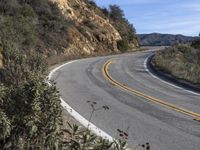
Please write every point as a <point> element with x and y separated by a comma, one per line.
<point>157,39</point>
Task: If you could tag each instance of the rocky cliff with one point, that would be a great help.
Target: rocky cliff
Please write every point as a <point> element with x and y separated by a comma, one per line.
<point>91,33</point>
<point>69,28</point>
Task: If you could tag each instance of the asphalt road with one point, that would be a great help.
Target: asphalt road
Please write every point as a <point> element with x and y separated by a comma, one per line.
<point>145,121</point>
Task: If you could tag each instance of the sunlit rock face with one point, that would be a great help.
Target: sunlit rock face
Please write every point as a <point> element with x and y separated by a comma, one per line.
<point>91,33</point>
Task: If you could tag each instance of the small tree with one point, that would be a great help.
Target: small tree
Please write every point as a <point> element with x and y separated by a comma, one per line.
<point>196,43</point>
<point>123,45</point>
<point>126,30</point>
<point>105,12</point>
<point>116,13</point>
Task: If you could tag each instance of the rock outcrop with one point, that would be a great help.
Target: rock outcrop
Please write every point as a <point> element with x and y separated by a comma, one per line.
<point>63,29</point>
<point>91,33</point>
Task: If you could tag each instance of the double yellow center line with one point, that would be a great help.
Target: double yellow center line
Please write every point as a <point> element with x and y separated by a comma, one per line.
<point>163,103</point>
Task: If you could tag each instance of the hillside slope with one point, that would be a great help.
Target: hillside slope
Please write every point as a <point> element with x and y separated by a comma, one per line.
<point>71,28</point>
<point>91,33</point>
<point>31,32</point>
<point>157,39</point>
<point>181,62</point>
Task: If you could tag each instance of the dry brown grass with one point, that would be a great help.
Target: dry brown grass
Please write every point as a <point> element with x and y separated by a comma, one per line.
<point>180,61</point>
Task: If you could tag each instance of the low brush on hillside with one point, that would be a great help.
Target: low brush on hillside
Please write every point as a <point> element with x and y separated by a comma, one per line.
<point>181,61</point>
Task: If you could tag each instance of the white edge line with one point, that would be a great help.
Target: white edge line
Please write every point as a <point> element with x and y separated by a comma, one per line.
<point>156,77</point>
<point>78,116</point>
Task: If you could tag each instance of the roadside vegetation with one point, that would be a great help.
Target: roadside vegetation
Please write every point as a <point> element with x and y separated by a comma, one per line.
<point>127,31</point>
<point>117,18</point>
<point>30,110</point>
<point>33,24</point>
<point>181,61</point>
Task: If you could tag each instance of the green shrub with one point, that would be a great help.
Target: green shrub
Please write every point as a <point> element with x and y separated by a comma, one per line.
<point>11,30</point>
<point>5,124</point>
<point>35,117</point>
<point>30,110</point>
<point>50,18</point>
<point>196,44</point>
<point>31,23</point>
<point>89,24</point>
<point>19,68</point>
<point>181,61</point>
<point>105,11</point>
<point>9,7</point>
<point>82,139</point>
<point>123,45</point>
<point>27,11</point>
<point>92,3</point>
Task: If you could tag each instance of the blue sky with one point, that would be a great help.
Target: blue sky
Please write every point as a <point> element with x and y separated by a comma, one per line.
<point>163,16</point>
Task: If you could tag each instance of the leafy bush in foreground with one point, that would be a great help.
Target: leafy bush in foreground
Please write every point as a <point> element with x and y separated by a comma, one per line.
<point>81,139</point>
<point>30,117</point>
<point>30,111</point>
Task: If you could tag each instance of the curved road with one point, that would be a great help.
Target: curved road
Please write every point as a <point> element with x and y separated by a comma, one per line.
<point>145,120</point>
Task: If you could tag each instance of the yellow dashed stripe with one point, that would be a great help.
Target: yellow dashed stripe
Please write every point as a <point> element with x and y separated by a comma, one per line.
<point>107,75</point>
